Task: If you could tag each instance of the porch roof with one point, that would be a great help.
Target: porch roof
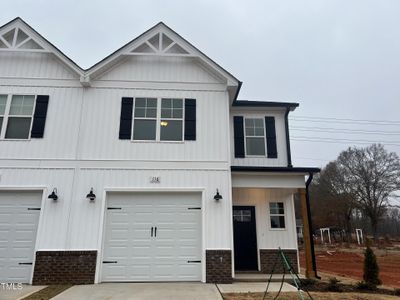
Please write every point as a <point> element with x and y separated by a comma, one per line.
<point>305,170</point>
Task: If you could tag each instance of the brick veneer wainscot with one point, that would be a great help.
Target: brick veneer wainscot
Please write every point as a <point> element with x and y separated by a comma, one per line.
<point>219,266</point>
<point>268,257</point>
<point>64,267</point>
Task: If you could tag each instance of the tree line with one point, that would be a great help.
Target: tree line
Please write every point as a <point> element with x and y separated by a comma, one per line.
<point>360,189</point>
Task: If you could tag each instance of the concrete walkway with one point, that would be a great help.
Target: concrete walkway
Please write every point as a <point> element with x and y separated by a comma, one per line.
<point>142,291</point>
<point>254,287</point>
<point>15,294</point>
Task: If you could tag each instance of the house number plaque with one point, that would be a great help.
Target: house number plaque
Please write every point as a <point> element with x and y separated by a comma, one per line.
<point>155,179</point>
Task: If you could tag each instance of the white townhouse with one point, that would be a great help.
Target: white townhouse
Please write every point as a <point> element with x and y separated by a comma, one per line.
<point>144,167</point>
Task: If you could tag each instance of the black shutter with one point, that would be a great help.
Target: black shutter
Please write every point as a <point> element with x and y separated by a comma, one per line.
<point>125,125</point>
<point>39,117</point>
<point>238,133</point>
<point>271,137</point>
<point>190,119</point>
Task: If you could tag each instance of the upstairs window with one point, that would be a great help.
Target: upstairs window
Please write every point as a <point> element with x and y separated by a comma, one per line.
<point>16,114</point>
<point>171,123</point>
<point>145,119</point>
<point>277,215</point>
<point>255,136</point>
<point>158,119</point>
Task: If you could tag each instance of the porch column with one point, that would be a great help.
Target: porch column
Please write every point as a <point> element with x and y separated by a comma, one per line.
<point>307,236</point>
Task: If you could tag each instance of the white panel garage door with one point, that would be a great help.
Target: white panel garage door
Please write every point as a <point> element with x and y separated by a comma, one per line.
<point>152,237</point>
<point>19,218</point>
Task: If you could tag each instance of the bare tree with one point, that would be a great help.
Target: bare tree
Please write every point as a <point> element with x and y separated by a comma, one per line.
<point>371,176</point>
<point>333,201</point>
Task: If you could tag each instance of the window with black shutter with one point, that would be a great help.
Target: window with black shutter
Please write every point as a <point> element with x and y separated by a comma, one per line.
<point>22,116</point>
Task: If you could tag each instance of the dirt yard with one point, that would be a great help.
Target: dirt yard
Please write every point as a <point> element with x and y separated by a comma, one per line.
<point>349,263</point>
<point>319,296</point>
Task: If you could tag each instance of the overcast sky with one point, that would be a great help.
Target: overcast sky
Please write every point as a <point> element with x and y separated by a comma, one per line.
<point>339,59</point>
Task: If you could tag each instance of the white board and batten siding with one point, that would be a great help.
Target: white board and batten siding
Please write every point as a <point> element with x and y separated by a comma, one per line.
<point>78,222</point>
<point>19,220</point>
<point>152,237</point>
<point>100,125</point>
<point>267,237</point>
<point>263,161</point>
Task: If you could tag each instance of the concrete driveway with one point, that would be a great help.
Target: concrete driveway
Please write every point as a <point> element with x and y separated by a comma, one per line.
<point>18,293</point>
<point>141,291</point>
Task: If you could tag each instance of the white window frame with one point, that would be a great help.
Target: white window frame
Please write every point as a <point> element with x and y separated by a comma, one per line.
<point>7,115</point>
<point>144,118</point>
<point>250,136</point>
<point>277,215</point>
<point>158,121</point>
<point>173,119</point>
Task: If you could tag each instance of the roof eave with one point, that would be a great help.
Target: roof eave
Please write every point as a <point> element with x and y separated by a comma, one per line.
<point>267,104</point>
<point>305,170</point>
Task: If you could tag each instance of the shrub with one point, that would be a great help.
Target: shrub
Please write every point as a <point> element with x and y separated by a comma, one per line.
<point>333,285</point>
<point>308,282</point>
<point>362,285</point>
<point>371,268</point>
<point>397,292</point>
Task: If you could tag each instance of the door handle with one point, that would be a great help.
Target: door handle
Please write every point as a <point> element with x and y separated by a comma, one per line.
<point>151,231</point>
<point>155,231</point>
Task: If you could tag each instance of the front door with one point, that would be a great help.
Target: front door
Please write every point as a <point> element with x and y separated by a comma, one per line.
<point>245,238</point>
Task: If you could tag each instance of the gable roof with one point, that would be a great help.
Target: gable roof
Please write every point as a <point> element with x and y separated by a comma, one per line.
<point>176,46</point>
<point>145,39</point>
<point>37,43</point>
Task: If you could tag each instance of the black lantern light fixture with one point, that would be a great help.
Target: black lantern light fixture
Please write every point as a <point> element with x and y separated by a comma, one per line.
<point>217,196</point>
<point>53,195</point>
<point>91,196</point>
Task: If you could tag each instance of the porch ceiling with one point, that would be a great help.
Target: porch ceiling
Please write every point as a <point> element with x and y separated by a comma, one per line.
<point>270,180</point>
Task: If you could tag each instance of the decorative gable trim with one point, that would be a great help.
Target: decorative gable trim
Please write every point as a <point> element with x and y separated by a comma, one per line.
<point>16,39</point>
<point>161,40</point>
<point>160,44</point>
<point>18,36</point>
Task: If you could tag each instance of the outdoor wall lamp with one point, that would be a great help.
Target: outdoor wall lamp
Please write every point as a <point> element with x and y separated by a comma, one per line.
<point>91,196</point>
<point>53,195</point>
<point>217,196</point>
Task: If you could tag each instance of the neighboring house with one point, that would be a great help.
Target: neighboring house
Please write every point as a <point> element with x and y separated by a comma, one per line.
<point>144,167</point>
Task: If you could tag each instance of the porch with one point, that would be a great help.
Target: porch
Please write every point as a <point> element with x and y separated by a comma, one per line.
<point>264,221</point>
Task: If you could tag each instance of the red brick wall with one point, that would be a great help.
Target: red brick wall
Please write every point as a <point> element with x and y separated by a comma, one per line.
<point>219,266</point>
<point>268,257</point>
<point>64,267</point>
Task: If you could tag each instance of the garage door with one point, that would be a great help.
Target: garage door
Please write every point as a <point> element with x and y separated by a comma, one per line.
<point>152,237</point>
<point>19,218</point>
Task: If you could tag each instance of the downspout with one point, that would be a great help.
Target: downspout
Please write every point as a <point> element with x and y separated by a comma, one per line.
<point>289,155</point>
<point>314,264</point>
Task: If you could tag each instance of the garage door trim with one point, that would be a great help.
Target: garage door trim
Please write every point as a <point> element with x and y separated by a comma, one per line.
<point>25,188</point>
<point>108,190</point>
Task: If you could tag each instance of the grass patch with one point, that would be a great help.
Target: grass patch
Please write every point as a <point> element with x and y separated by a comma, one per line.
<point>48,292</point>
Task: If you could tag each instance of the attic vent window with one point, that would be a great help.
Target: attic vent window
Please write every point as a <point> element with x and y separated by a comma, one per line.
<point>17,39</point>
<point>160,44</point>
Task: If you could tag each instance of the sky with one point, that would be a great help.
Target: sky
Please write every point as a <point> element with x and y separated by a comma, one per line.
<point>340,59</point>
